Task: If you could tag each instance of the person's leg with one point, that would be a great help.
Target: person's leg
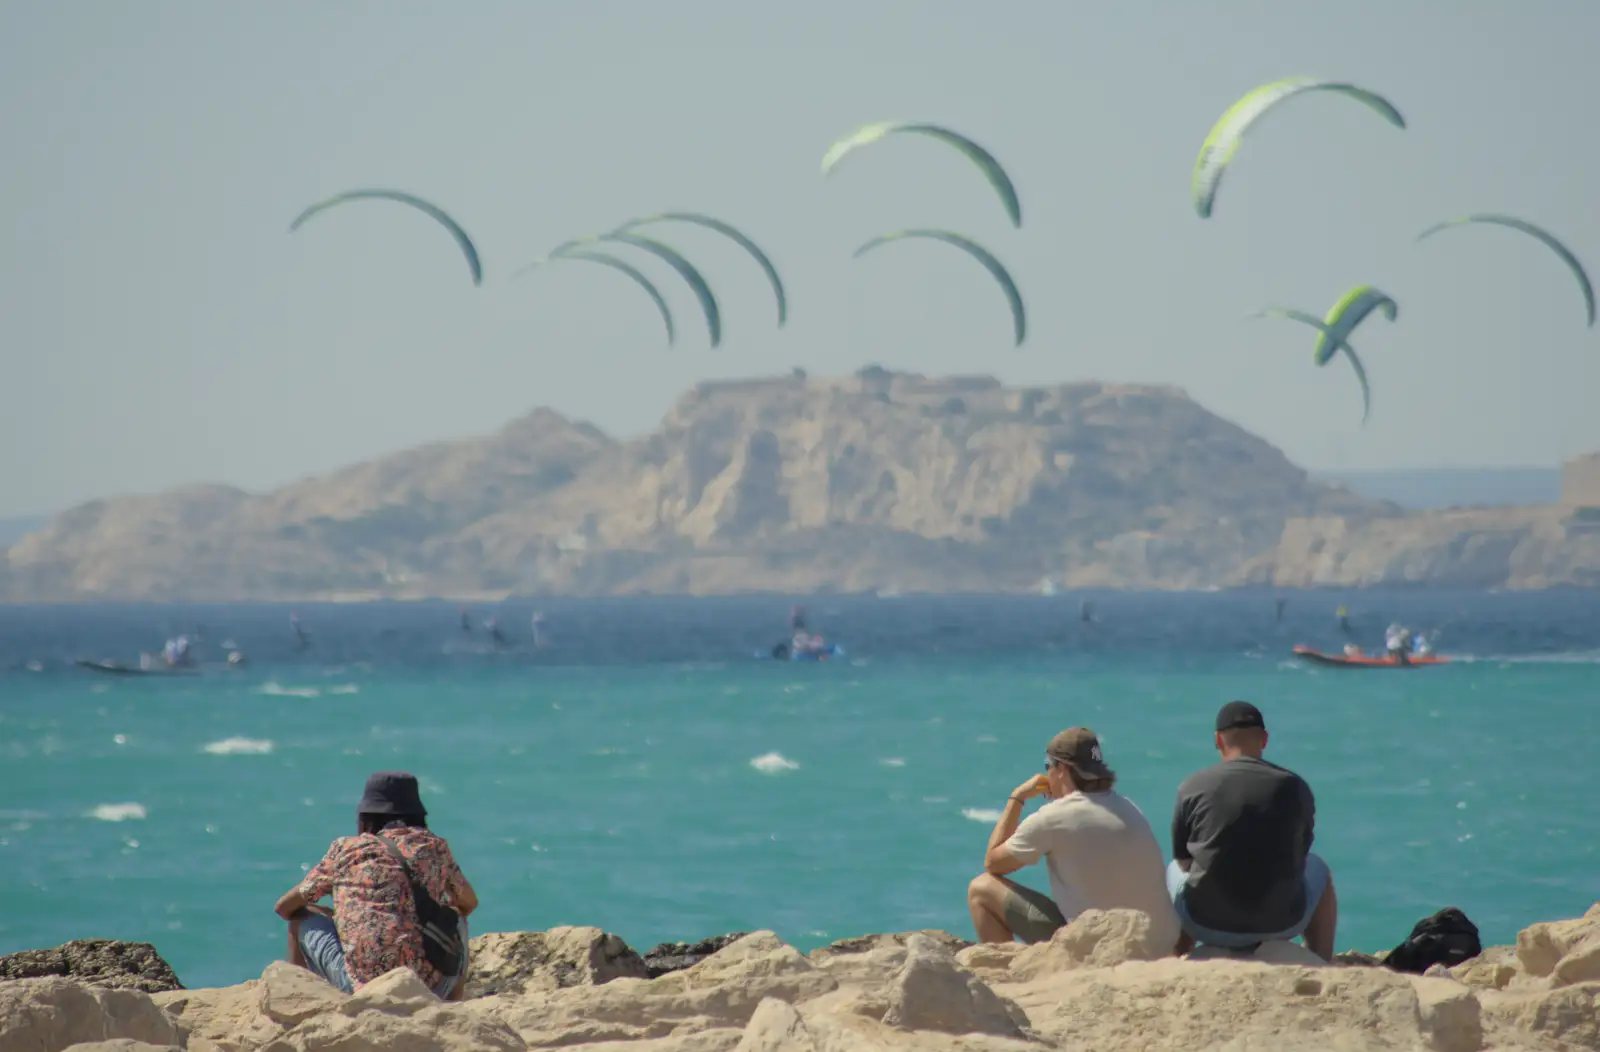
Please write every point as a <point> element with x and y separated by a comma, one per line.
<point>1003,911</point>
<point>454,987</point>
<point>1195,934</point>
<point>294,955</point>
<point>320,952</point>
<point>986,898</point>
<point>1177,879</point>
<point>1324,905</point>
<point>1324,924</point>
<point>460,991</point>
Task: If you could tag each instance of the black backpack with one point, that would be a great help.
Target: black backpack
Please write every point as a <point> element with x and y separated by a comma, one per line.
<point>1446,938</point>
<point>441,925</point>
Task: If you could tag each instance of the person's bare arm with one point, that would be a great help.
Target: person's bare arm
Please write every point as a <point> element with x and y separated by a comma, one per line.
<point>997,861</point>
<point>318,883</point>
<point>462,896</point>
<point>292,903</point>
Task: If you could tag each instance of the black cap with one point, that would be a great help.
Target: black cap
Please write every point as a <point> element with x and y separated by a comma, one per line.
<point>1239,714</point>
<point>391,793</point>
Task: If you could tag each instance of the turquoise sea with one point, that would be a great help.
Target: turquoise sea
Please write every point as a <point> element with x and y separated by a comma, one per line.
<point>646,773</point>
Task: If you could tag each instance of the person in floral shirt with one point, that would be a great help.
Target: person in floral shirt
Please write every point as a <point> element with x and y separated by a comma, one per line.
<point>372,928</point>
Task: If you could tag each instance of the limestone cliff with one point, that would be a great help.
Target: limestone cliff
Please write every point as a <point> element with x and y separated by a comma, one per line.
<point>1465,548</point>
<point>874,481</point>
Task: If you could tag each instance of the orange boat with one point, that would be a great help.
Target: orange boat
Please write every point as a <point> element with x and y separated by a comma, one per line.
<point>1317,657</point>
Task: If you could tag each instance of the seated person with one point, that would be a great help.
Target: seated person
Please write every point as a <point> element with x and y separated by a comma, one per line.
<point>807,643</point>
<point>1397,642</point>
<point>1242,871</point>
<point>1098,847</point>
<point>373,926</point>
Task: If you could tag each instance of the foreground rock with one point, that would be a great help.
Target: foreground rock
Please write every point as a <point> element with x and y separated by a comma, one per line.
<point>1098,938</point>
<point>1567,952</point>
<point>43,1015</point>
<point>675,956</point>
<point>933,993</point>
<point>97,962</point>
<point>1099,984</point>
<point>541,961</point>
<point>870,943</point>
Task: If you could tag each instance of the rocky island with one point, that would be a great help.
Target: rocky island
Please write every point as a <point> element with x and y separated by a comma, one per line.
<point>875,481</point>
<point>1099,984</point>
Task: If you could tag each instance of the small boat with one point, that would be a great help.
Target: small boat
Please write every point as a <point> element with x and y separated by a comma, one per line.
<point>829,650</point>
<point>784,652</point>
<point>112,668</point>
<point>1317,657</point>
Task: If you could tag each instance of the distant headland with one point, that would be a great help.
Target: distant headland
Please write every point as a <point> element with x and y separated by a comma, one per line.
<point>878,481</point>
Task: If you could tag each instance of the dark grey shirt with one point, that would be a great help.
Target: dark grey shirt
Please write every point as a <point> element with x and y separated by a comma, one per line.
<point>1246,825</point>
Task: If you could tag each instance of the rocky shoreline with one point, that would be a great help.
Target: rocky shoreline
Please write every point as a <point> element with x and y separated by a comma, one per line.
<point>1100,984</point>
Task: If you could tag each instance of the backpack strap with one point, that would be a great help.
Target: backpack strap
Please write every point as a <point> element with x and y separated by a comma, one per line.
<point>395,851</point>
<point>421,898</point>
<point>441,939</point>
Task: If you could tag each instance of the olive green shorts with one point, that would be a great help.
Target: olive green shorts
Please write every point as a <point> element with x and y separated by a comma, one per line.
<point>1032,915</point>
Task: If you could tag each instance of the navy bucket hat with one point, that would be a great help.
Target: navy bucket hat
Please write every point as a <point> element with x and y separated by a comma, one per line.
<point>391,793</point>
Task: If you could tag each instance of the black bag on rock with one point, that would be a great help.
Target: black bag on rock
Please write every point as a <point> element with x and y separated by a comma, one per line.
<point>441,925</point>
<point>1446,938</point>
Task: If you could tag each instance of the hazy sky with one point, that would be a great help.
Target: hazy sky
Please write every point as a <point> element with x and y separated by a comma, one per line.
<point>159,326</point>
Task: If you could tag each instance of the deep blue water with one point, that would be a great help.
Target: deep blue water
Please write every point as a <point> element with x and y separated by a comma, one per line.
<point>607,778</point>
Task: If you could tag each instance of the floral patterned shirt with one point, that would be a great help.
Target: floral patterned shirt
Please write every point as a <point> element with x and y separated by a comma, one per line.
<point>372,907</point>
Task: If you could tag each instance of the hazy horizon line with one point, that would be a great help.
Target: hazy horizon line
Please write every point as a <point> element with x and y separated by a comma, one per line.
<point>1322,473</point>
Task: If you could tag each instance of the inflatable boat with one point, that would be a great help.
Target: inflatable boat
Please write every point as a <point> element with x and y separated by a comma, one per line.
<point>112,668</point>
<point>783,652</point>
<point>1317,657</point>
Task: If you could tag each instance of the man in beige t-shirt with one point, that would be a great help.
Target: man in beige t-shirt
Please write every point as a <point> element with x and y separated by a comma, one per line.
<point>1098,847</point>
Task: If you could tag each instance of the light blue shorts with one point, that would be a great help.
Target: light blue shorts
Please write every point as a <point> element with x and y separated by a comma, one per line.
<point>319,942</point>
<point>1316,883</point>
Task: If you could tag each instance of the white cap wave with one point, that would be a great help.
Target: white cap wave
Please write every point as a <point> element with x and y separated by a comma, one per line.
<point>240,747</point>
<point>773,763</point>
<point>117,812</point>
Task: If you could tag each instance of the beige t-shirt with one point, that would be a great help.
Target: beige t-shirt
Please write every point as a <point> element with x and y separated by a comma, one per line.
<point>1102,855</point>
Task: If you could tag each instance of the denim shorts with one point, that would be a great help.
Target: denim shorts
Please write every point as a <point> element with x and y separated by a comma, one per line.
<point>1316,883</point>
<point>319,942</point>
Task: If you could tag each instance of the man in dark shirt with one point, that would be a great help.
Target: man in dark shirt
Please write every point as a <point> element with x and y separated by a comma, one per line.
<point>1242,871</point>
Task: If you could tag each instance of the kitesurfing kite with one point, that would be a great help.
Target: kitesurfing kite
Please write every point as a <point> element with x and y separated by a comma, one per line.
<point>1544,236</point>
<point>638,276</point>
<point>1013,295</point>
<point>727,230</point>
<point>671,256</point>
<point>1351,310</point>
<point>439,215</point>
<point>991,168</point>
<point>1225,136</point>
<point>1307,318</point>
